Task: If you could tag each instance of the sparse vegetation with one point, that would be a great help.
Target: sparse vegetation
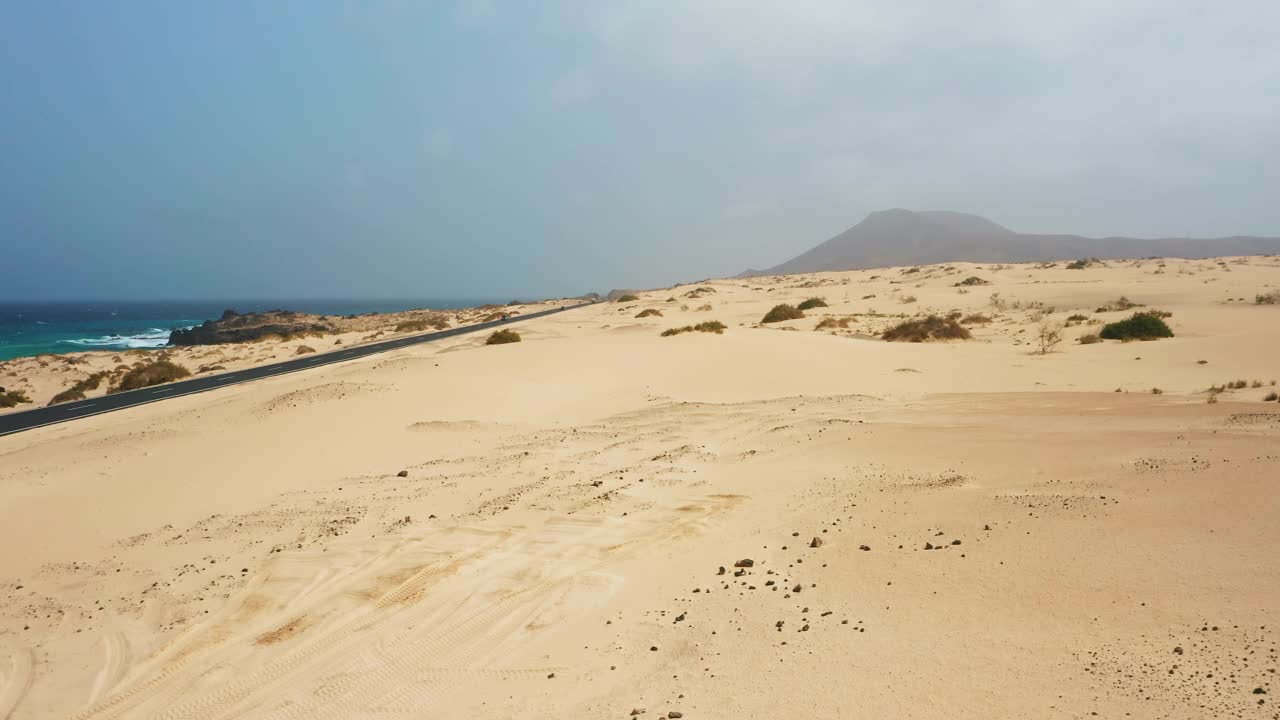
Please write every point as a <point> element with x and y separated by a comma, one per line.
<point>1272,397</point>
<point>1271,298</point>
<point>971,281</point>
<point>1082,264</point>
<point>502,337</point>
<point>710,326</point>
<point>929,328</point>
<point>1142,326</point>
<point>304,350</point>
<point>649,312</point>
<point>13,398</point>
<point>627,298</point>
<point>975,319</point>
<point>779,313</point>
<point>907,299</point>
<point>811,303</point>
<point>146,375</point>
<point>77,391</point>
<point>1119,304</point>
<point>1090,339</point>
<point>1049,335</point>
<point>1076,319</point>
<point>831,323</point>
<point>432,322</point>
<point>1156,391</point>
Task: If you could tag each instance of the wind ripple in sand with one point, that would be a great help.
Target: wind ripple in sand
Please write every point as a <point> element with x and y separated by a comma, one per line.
<point>15,678</point>
<point>346,633</point>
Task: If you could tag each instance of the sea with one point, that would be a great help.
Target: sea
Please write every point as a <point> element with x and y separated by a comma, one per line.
<point>36,328</point>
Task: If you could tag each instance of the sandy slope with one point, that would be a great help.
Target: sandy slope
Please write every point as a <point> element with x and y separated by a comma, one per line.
<point>555,549</point>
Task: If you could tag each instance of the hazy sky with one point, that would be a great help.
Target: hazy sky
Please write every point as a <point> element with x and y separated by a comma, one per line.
<point>511,147</point>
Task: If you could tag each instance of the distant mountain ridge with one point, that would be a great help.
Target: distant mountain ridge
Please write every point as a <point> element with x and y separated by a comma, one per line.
<point>890,238</point>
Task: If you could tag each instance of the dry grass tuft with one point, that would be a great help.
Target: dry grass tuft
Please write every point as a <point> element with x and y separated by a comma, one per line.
<point>783,312</point>
<point>502,337</point>
<point>922,330</point>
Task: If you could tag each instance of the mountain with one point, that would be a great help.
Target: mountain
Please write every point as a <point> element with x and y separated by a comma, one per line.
<point>902,237</point>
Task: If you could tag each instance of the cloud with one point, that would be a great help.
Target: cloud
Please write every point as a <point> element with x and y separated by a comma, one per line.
<point>572,87</point>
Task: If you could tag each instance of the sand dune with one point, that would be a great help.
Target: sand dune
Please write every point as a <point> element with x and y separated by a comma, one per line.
<point>558,528</point>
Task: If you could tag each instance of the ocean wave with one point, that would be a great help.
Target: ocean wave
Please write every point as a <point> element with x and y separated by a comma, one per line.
<point>153,338</point>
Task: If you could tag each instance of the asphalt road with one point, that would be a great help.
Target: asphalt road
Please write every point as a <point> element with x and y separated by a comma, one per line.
<point>39,417</point>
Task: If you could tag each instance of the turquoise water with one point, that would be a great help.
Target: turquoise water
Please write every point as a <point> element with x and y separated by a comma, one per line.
<point>34,328</point>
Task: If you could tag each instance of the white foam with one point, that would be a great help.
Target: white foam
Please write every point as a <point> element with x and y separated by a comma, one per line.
<point>152,338</point>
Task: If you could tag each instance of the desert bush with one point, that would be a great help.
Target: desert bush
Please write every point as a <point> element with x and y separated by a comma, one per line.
<point>1142,326</point>
<point>1156,391</point>
<point>1119,304</point>
<point>502,337</point>
<point>1271,298</point>
<point>711,326</point>
<point>997,302</point>
<point>975,319</point>
<point>13,398</point>
<point>1076,319</point>
<point>436,322</point>
<point>831,323</point>
<point>812,303</point>
<point>1049,335</point>
<point>714,326</point>
<point>1090,339</point>
<point>649,312</point>
<point>782,312</point>
<point>971,281</point>
<point>1082,264</point>
<point>156,373</point>
<point>304,349</point>
<point>705,307</point>
<point>907,299</point>
<point>77,391</point>
<point>1272,397</point>
<point>627,298</point>
<point>930,328</point>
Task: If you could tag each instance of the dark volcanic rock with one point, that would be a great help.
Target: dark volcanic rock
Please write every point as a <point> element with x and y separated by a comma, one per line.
<point>233,327</point>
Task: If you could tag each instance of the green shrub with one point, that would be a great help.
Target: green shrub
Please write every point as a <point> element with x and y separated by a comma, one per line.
<point>930,328</point>
<point>627,298</point>
<point>812,303</point>
<point>711,326</point>
<point>1142,326</point>
<point>156,373</point>
<point>714,326</point>
<point>971,281</point>
<point>779,313</point>
<point>502,337</point>
<point>13,398</point>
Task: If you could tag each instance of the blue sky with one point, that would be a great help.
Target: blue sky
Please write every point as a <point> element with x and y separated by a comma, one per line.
<point>493,148</point>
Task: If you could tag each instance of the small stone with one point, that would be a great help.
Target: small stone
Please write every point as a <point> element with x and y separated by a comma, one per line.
<point>816,542</point>
<point>675,714</point>
<point>745,562</point>
<point>403,473</point>
<point>797,588</point>
<point>722,570</point>
<point>928,546</point>
<point>653,648</point>
<point>1177,650</point>
<point>550,675</point>
<point>955,542</point>
<point>865,548</point>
